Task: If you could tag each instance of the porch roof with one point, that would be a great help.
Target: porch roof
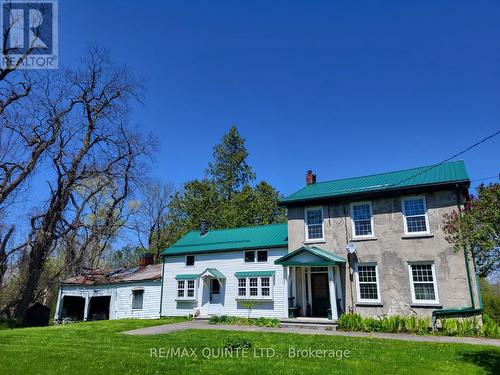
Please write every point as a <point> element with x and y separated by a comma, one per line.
<point>314,257</point>
<point>214,272</point>
<point>187,276</point>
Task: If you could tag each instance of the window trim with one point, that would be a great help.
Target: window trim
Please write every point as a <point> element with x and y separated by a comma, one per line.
<point>142,301</point>
<point>358,290</point>
<point>306,231</point>
<point>353,227</point>
<point>415,301</point>
<point>185,289</point>
<point>405,223</point>
<point>259,295</point>
<point>255,256</point>
<point>189,265</point>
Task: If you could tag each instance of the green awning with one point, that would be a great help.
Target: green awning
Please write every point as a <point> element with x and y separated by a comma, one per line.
<point>189,276</point>
<point>310,256</point>
<point>254,274</point>
<point>214,272</point>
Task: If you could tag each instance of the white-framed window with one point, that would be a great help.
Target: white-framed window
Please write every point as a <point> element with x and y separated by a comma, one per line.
<point>137,299</point>
<point>255,287</point>
<point>367,283</point>
<point>423,283</point>
<point>189,260</point>
<point>255,256</point>
<point>314,225</point>
<point>186,289</point>
<point>362,219</point>
<point>415,216</point>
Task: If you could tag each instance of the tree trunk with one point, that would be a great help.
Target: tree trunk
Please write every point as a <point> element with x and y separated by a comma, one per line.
<point>3,254</point>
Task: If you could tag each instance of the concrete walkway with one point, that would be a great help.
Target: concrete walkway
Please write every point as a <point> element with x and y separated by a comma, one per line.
<point>196,324</point>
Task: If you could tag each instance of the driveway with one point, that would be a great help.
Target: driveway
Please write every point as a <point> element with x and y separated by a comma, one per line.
<point>204,325</point>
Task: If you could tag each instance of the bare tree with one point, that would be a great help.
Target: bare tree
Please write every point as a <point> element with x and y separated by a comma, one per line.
<point>93,141</point>
<point>150,219</point>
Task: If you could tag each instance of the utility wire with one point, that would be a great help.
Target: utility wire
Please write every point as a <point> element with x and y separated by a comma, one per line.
<point>451,157</point>
<point>487,178</point>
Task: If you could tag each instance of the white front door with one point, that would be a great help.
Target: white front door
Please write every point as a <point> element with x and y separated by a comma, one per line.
<point>215,302</point>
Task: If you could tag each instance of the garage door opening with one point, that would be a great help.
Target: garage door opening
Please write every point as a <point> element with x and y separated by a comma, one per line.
<point>73,308</point>
<point>99,308</point>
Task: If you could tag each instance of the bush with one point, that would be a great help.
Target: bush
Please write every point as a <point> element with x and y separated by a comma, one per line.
<point>234,320</point>
<point>6,323</point>
<point>390,324</point>
<point>491,299</point>
<point>236,343</point>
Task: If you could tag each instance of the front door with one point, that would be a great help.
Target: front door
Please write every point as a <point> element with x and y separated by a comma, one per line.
<point>320,294</point>
<point>215,303</point>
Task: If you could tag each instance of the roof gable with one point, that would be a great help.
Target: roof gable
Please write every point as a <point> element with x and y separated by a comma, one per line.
<point>445,173</point>
<point>310,256</point>
<point>256,237</point>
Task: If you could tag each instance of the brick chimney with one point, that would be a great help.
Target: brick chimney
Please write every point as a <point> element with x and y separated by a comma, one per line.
<point>203,228</point>
<point>146,259</point>
<point>310,178</point>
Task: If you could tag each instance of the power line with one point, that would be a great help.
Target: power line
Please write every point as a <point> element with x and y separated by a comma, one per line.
<point>486,178</point>
<point>451,157</point>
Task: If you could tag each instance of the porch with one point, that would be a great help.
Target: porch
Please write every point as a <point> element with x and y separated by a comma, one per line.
<point>314,287</point>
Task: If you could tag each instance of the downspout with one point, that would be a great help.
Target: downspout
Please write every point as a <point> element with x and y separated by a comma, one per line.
<point>161,280</point>
<point>466,258</point>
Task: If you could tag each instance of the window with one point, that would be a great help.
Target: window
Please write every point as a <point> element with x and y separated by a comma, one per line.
<point>415,215</point>
<point>249,256</point>
<point>314,224</point>
<point>190,260</point>
<point>262,256</point>
<point>242,290</point>
<point>362,219</point>
<point>137,299</point>
<point>252,256</point>
<point>186,289</point>
<point>423,283</point>
<point>255,288</point>
<point>367,283</point>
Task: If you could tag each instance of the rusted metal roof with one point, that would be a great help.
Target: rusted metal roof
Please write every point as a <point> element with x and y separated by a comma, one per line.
<point>116,276</point>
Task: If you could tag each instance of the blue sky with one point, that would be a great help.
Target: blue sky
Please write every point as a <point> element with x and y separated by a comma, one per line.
<point>345,88</point>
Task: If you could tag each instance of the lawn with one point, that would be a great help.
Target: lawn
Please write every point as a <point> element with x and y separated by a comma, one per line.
<point>99,348</point>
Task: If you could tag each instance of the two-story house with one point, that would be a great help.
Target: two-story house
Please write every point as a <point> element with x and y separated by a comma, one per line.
<point>374,244</point>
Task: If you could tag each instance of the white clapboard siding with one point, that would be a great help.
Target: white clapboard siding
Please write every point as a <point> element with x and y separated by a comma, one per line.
<point>121,298</point>
<point>228,263</point>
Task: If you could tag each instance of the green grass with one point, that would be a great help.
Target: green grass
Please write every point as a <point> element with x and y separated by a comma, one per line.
<point>99,348</point>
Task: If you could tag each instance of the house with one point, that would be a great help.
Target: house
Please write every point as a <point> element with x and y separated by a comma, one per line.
<point>112,294</point>
<point>373,244</point>
<point>225,272</point>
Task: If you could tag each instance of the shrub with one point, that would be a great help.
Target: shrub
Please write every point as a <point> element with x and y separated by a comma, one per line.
<point>6,323</point>
<point>391,324</point>
<point>235,343</point>
<point>261,322</point>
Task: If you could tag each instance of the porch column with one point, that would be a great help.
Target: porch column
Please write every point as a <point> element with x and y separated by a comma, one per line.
<point>338,284</point>
<point>57,315</point>
<point>293,285</point>
<point>333,294</point>
<point>285,289</point>
<point>86,309</point>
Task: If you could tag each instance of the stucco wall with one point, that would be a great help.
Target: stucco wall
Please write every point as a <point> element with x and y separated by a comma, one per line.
<point>392,252</point>
<point>228,263</point>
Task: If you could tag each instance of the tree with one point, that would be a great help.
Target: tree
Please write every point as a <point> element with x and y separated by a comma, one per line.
<point>225,198</point>
<point>476,228</point>
<point>230,171</point>
<point>150,217</point>
<point>93,141</point>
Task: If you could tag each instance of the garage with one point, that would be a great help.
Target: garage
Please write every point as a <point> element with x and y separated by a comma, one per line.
<point>99,308</point>
<point>73,308</point>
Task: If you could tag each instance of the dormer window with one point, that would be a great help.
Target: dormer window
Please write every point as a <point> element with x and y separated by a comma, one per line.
<point>314,227</point>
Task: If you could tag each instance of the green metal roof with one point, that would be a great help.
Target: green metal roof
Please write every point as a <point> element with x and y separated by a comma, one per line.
<point>190,276</point>
<point>256,237</point>
<point>444,173</point>
<point>325,258</point>
<point>254,273</point>
<point>214,272</point>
